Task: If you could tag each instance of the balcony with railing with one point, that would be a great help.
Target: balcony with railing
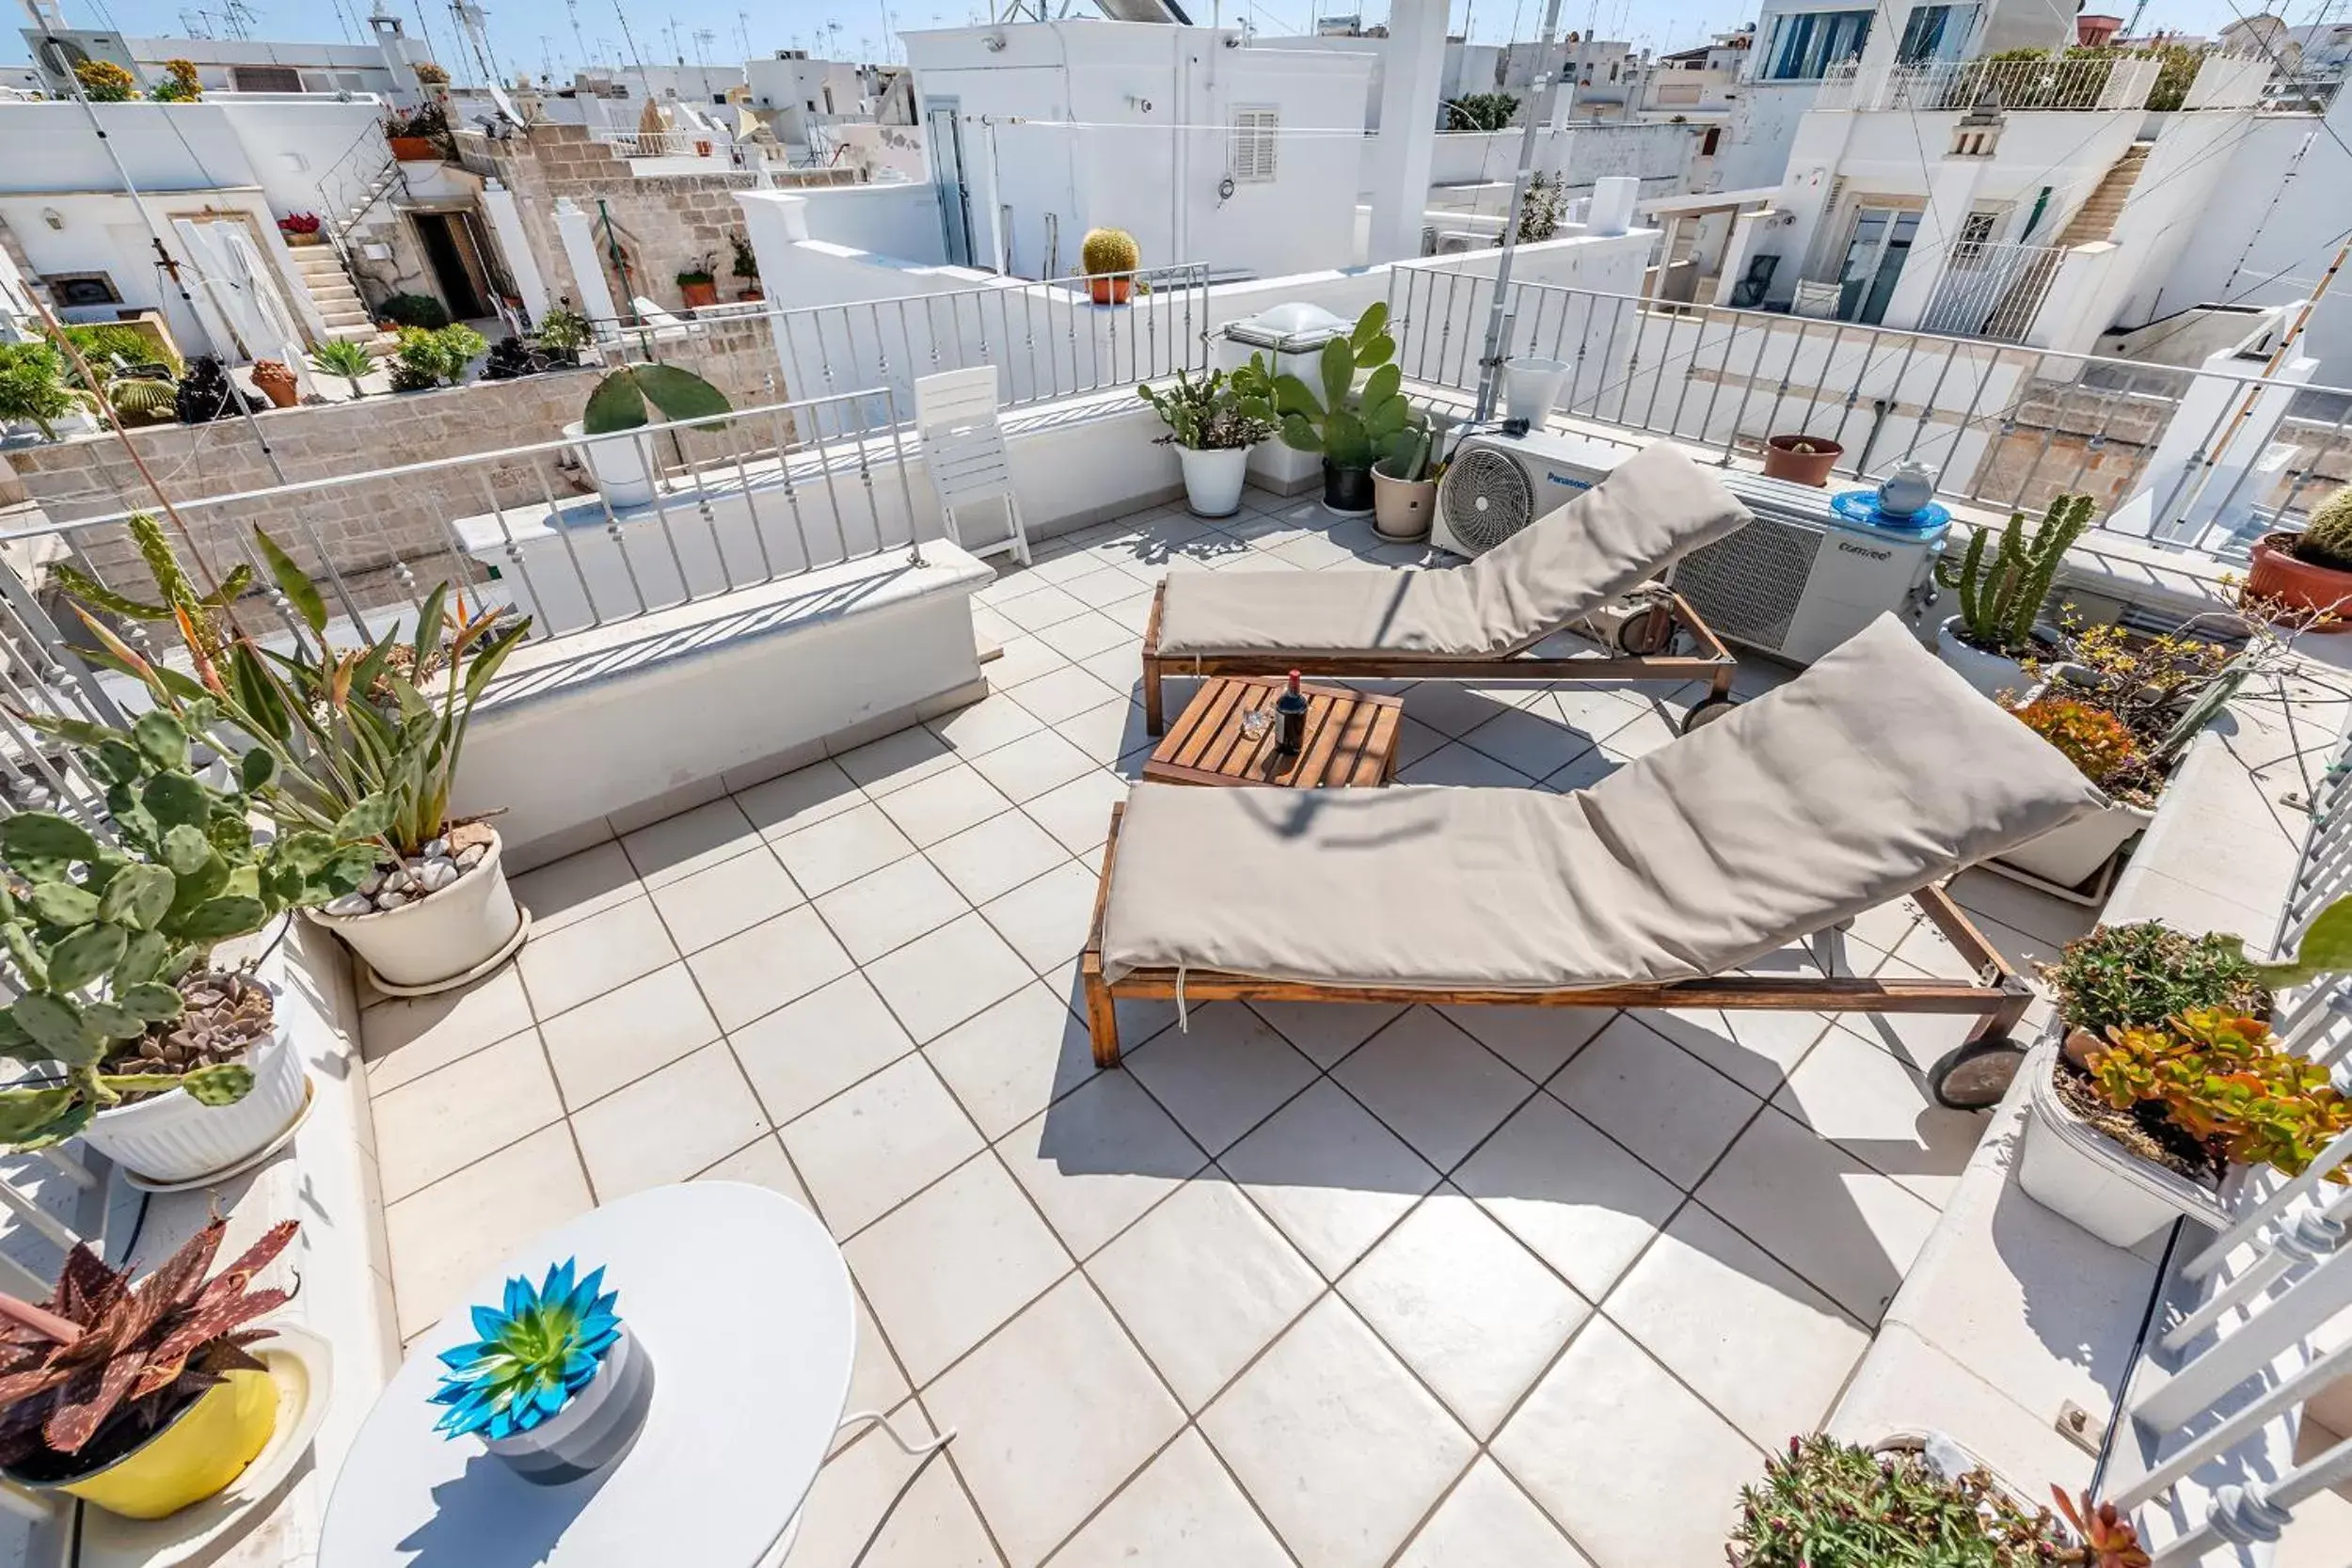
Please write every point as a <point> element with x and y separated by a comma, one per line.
<point>2056,83</point>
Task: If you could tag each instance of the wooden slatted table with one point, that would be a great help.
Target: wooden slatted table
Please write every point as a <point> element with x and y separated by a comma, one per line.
<point>1351,738</point>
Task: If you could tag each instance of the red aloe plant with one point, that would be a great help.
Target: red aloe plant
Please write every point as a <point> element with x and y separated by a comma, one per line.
<point>143,1351</point>
<point>2108,1540</point>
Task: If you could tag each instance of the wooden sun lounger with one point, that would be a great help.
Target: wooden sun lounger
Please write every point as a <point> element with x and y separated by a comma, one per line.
<point>1972,1076</point>
<point>1651,627</point>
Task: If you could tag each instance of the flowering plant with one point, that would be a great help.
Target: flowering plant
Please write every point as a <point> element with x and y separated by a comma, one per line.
<point>537,1349</point>
<point>298,223</point>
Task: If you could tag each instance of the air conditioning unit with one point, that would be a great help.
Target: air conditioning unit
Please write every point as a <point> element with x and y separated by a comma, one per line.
<point>1461,241</point>
<point>1495,485</point>
<point>1803,577</point>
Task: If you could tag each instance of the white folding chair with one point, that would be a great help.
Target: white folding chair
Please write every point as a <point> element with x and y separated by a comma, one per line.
<point>963,447</point>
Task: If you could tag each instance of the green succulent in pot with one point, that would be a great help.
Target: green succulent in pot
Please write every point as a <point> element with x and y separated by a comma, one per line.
<point>1349,427</point>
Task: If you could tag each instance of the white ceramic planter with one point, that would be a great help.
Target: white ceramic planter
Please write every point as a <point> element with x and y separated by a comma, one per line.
<point>2068,856</point>
<point>1213,479</point>
<point>594,1428</point>
<point>2072,1169</point>
<point>441,937</point>
<point>172,1137</point>
<point>1532,386</point>
<point>616,464</point>
<point>1991,673</point>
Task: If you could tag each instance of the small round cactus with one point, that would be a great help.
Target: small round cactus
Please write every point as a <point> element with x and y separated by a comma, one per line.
<point>1109,250</point>
<point>2326,539</point>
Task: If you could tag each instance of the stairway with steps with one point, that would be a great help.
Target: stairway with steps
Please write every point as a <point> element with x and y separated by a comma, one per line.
<point>332,290</point>
<point>2095,218</point>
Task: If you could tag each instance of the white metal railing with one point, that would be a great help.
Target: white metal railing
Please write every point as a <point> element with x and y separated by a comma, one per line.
<point>2265,1286</point>
<point>669,144</point>
<point>1990,290</point>
<point>2082,82</point>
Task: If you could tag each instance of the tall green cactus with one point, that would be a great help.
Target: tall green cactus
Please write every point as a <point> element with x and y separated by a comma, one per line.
<point>2000,598</point>
<point>1348,428</point>
<point>177,597</point>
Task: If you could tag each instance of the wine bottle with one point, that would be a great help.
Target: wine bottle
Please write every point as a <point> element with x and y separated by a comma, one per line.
<point>1290,718</point>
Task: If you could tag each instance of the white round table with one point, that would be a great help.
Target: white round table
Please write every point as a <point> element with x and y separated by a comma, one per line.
<point>743,1303</point>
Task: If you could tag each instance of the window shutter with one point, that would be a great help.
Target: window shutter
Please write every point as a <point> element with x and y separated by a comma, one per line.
<point>1256,134</point>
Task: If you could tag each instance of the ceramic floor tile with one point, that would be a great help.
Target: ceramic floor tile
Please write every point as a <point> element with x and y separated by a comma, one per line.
<point>1182,1512</point>
<point>943,805</point>
<point>1021,658</point>
<point>755,972</point>
<point>998,856</point>
<point>1533,740</point>
<point>992,722</point>
<point>678,846</point>
<point>1757,1342</point>
<point>1466,1307</point>
<point>937,981</point>
<point>841,849</point>
<point>1335,1440</point>
<point>1052,1414</point>
<point>1455,763</point>
<point>1850,1233</point>
<point>443,1238</point>
<point>1079,813</point>
<point>625,1033</point>
<point>1095,1160</point>
<point>1454,709</point>
<point>562,968</point>
<point>1608,1423</point>
<point>942,1272</point>
<point>1010,1060</point>
<point>1108,732</point>
<point>898,759</point>
<point>1329,1176</point>
<point>1205,1283</point>
<point>889,908</point>
<point>1223,1075</point>
<point>874,1145</point>
<point>1046,921</point>
<point>1436,1087</point>
<point>1324,1032</point>
<point>762,1163</point>
<point>712,904</point>
<point>446,1120</point>
<point>1585,771</point>
<point>1537,1041</point>
<point>404,1038</point>
<point>576,887</point>
<point>1487,1522</point>
<point>875,1507</point>
<point>1656,1098</point>
<point>1877,1109</point>
<point>800,798</point>
<point>1045,607</point>
<point>668,1125</point>
<point>1579,1200</point>
<point>1082,635</point>
<point>806,1052</point>
<point>1755,1050</point>
<point>1032,764</point>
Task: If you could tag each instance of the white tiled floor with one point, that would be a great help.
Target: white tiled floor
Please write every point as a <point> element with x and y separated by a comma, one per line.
<point>1325,1286</point>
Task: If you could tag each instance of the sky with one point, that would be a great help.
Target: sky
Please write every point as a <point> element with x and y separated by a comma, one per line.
<point>530,35</point>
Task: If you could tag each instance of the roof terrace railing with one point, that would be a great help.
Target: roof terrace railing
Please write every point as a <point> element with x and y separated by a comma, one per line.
<point>2093,81</point>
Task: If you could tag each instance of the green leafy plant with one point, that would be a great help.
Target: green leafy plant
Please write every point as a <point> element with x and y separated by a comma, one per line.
<point>1481,111</point>
<point>2326,539</point>
<point>440,356</point>
<point>567,331</point>
<point>1824,1504</point>
<point>619,402</point>
<point>1206,414</point>
<point>1104,251</point>
<point>177,600</point>
<point>700,272</point>
<point>1540,212</point>
<point>347,359</point>
<point>419,310</point>
<point>2325,948</point>
<point>109,346</point>
<point>105,1363</point>
<point>2224,1082</point>
<point>2001,596</point>
<point>179,84</point>
<point>1410,462</point>
<point>33,386</point>
<point>104,82</point>
<point>2139,974</point>
<point>746,258</point>
<point>1350,428</point>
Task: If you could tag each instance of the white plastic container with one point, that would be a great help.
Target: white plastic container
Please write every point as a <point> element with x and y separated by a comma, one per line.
<point>1991,673</point>
<point>174,1138</point>
<point>1532,386</point>
<point>2072,1169</point>
<point>595,1425</point>
<point>615,463</point>
<point>441,938</point>
<point>1212,479</point>
<point>2069,855</point>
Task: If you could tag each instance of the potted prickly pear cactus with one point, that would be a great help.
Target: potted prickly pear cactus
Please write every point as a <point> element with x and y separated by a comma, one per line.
<point>2003,584</point>
<point>1350,426</point>
<point>1404,493</point>
<point>2310,572</point>
<point>172,1069</point>
<point>1110,257</point>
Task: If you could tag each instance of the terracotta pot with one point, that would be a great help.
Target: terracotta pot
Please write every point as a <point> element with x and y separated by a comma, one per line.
<point>415,149</point>
<point>699,294</point>
<point>313,237</point>
<point>1110,291</point>
<point>2277,575</point>
<point>701,150</point>
<point>281,388</point>
<point>1782,460</point>
<point>754,292</point>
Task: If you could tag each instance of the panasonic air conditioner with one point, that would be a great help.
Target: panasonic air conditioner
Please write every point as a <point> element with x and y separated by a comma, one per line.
<point>1495,485</point>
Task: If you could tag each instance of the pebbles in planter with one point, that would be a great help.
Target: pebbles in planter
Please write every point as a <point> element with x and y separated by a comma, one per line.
<point>438,863</point>
<point>226,1016</point>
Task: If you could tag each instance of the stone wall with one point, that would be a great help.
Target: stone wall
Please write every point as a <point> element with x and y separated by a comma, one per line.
<point>2069,437</point>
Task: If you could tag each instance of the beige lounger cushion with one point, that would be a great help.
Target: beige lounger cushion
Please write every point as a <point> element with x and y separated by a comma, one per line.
<point>1873,773</point>
<point>1656,508</point>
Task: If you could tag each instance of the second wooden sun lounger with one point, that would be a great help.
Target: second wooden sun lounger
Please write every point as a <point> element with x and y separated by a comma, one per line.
<point>1481,621</point>
<point>1874,775</point>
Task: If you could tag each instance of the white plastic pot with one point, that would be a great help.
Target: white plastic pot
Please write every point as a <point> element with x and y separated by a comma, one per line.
<point>1213,479</point>
<point>2072,1169</point>
<point>2069,855</point>
<point>1991,673</point>
<point>595,1425</point>
<point>615,463</point>
<point>1531,387</point>
<point>173,1137</point>
<point>440,938</point>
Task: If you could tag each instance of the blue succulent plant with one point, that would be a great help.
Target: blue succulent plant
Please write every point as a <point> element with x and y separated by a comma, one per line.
<point>537,1349</point>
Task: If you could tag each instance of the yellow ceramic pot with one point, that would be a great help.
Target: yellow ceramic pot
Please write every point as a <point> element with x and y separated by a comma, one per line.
<point>206,1449</point>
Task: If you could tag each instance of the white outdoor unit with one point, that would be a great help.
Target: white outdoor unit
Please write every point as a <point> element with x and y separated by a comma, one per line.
<point>1495,485</point>
<point>1801,579</point>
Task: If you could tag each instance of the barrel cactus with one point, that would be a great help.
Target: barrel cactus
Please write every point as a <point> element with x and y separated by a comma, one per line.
<point>1109,250</point>
<point>2003,584</point>
<point>2326,539</point>
<point>143,399</point>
